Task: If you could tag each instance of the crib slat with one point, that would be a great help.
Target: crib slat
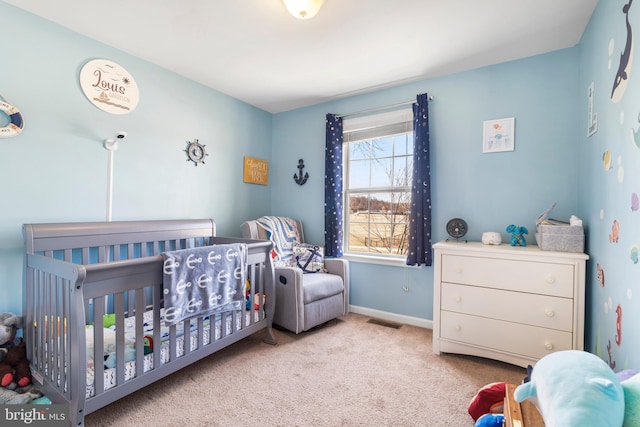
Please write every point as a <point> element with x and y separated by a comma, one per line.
<point>139,313</point>
<point>98,344</point>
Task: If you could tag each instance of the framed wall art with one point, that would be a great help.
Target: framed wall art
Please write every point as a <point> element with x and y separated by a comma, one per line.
<point>256,171</point>
<point>498,135</point>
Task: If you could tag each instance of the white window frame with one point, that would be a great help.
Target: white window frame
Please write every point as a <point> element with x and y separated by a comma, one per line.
<point>363,128</point>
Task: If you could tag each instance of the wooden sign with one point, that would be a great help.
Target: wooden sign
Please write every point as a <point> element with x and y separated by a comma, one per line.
<point>256,171</point>
<point>109,87</point>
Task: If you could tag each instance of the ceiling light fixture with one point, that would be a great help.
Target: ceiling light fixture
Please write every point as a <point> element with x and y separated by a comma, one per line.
<point>303,9</point>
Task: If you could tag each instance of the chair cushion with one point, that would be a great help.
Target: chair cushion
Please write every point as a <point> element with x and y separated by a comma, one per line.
<point>321,285</point>
<point>309,258</point>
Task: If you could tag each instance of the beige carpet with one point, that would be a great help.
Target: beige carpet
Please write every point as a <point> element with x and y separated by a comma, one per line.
<point>348,372</point>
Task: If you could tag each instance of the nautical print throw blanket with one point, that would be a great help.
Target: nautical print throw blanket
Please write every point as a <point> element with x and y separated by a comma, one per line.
<point>283,232</point>
<point>202,281</point>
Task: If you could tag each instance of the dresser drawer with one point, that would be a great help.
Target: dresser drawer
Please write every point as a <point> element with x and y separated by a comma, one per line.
<point>515,338</point>
<point>530,309</point>
<point>515,275</point>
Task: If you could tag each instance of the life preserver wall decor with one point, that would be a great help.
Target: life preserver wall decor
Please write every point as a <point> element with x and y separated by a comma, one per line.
<point>16,123</point>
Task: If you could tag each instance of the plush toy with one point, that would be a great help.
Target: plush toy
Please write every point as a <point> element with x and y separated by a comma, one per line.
<point>574,388</point>
<point>19,396</point>
<point>9,324</point>
<point>488,400</point>
<point>631,387</point>
<point>14,366</point>
<point>490,420</point>
<point>517,235</point>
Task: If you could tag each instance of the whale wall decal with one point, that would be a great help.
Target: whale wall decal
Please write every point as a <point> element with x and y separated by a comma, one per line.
<point>626,58</point>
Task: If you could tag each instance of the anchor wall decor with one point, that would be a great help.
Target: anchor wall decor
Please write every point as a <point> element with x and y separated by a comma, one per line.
<point>299,179</point>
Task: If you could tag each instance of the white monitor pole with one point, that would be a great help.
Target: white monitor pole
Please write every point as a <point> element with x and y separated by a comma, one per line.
<point>111,145</point>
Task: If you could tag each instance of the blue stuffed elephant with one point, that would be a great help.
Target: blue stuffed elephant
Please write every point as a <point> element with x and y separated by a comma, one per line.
<point>517,235</point>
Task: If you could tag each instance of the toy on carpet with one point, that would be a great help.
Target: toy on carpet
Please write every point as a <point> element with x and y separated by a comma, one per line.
<point>631,388</point>
<point>517,235</point>
<point>490,420</point>
<point>574,388</point>
<point>14,366</point>
<point>488,400</point>
<point>19,396</point>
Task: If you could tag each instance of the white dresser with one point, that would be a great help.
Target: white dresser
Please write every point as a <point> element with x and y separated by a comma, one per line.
<point>509,303</point>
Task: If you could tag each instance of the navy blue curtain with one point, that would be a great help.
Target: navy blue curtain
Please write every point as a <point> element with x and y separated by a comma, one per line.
<point>333,187</point>
<point>419,250</point>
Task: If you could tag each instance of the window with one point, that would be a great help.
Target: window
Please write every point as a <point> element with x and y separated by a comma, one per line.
<point>378,159</point>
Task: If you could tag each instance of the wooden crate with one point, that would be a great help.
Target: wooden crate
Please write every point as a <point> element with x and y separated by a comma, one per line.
<point>523,414</point>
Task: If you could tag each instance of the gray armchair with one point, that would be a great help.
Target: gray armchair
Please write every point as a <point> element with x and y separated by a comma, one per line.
<point>306,300</point>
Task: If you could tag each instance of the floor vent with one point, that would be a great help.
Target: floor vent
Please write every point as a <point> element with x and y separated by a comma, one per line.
<point>385,323</point>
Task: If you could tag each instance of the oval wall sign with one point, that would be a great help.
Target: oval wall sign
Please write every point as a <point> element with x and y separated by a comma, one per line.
<point>109,87</point>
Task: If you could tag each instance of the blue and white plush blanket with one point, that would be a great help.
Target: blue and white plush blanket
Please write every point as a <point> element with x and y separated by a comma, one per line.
<point>205,280</point>
<point>283,232</point>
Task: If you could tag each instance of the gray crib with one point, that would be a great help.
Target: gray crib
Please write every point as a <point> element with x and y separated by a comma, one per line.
<point>79,276</point>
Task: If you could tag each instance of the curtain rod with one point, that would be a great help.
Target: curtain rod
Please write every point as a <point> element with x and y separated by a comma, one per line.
<point>386,107</point>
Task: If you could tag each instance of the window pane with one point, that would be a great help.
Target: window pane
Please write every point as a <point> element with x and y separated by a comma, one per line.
<point>359,203</point>
<point>360,150</point>
<point>410,143</point>
<point>382,147</point>
<point>359,174</point>
<point>400,145</point>
<point>402,172</point>
<point>381,173</point>
<point>378,223</point>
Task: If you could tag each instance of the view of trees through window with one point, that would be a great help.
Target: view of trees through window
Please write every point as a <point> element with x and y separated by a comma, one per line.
<point>377,189</point>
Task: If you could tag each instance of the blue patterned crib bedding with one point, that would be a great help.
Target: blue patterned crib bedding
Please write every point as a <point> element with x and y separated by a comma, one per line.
<point>233,323</point>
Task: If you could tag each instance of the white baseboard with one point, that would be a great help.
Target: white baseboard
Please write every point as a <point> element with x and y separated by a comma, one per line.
<point>392,317</point>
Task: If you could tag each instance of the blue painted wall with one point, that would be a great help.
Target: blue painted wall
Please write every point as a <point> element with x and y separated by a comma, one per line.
<point>56,169</point>
<point>609,178</point>
<point>490,191</point>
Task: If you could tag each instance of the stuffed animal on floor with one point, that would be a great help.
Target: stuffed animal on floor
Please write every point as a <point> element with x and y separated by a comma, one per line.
<point>574,388</point>
<point>19,396</point>
<point>517,235</point>
<point>488,400</point>
<point>9,324</point>
<point>490,420</point>
<point>631,387</point>
<point>15,367</point>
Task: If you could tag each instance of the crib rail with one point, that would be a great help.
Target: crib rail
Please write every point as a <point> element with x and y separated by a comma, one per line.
<point>69,283</point>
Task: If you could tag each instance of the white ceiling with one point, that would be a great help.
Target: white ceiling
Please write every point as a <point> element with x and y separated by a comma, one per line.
<point>255,51</point>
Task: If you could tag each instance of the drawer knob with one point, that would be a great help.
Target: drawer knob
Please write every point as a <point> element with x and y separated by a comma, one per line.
<point>458,270</point>
<point>457,298</point>
<point>550,313</point>
<point>548,345</point>
<point>458,328</point>
<point>551,280</point>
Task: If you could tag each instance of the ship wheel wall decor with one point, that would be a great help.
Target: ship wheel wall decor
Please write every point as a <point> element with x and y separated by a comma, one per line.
<point>299,179</point>
<point>195,152</point>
